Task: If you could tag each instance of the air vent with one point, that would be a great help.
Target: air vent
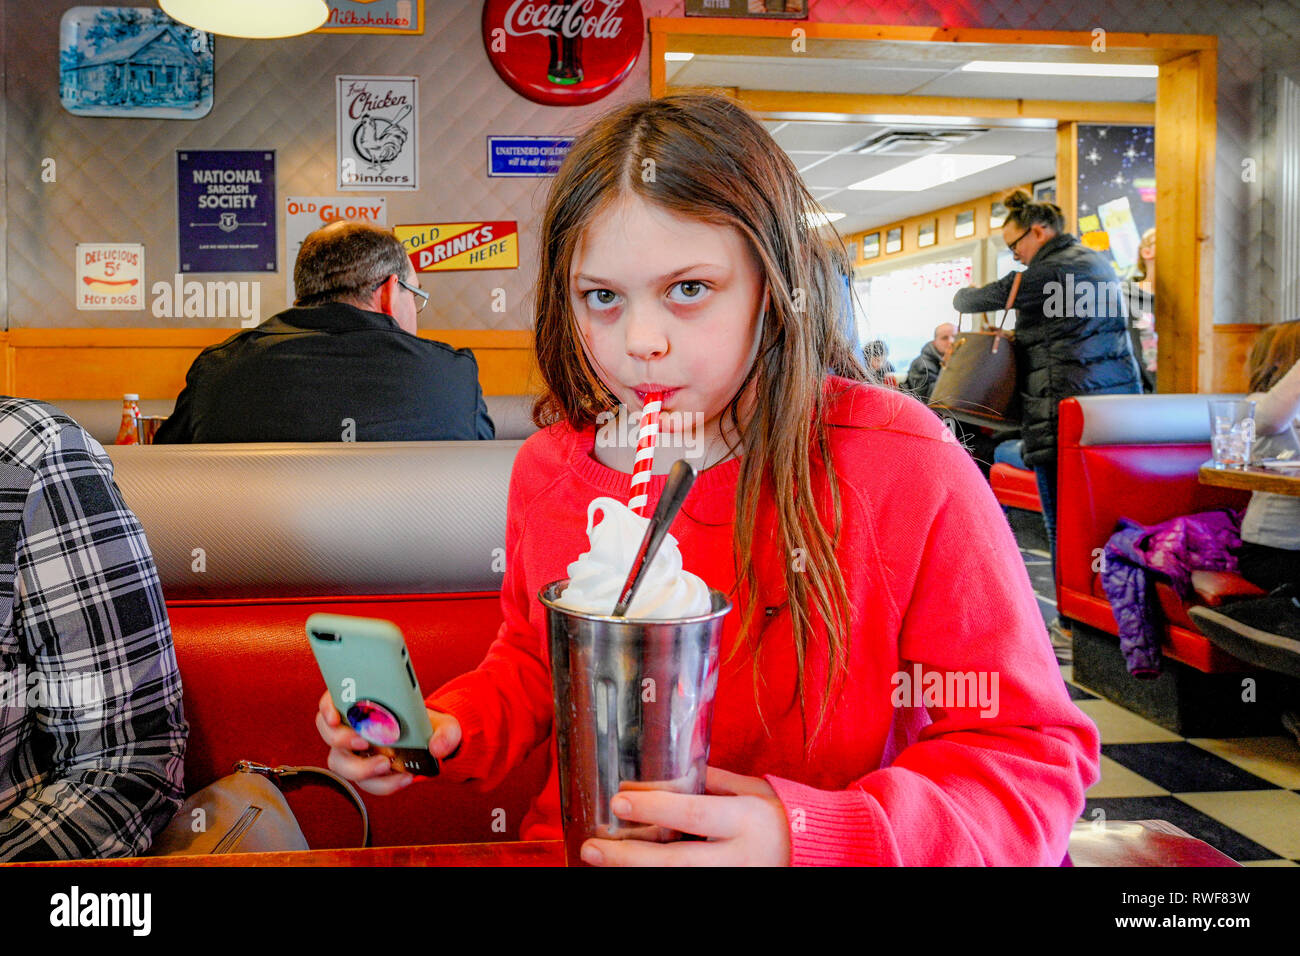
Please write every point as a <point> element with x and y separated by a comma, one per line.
<point>915,142</point>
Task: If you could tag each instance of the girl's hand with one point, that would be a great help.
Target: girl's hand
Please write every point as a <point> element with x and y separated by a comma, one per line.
<point>374,773</point>
<point>742,817</point>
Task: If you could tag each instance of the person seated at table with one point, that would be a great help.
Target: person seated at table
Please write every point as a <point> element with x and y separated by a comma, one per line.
<point>876,355</point>
<point>92,729</point>
<point>1011,452</point>
<point>925,368</point>
<point>1270,531</point>
<point>345,364</point>
<point>1266,630</point>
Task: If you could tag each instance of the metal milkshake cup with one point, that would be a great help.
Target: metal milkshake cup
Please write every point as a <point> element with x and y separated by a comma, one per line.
<point>633,711</point>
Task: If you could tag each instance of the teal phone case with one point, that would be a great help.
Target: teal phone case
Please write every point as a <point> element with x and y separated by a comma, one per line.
<point>368,662</point>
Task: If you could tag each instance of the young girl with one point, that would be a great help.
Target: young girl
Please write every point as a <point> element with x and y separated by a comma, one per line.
<point>887,693</point>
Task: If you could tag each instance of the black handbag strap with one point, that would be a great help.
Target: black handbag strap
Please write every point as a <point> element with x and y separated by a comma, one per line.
<point>278,775</point>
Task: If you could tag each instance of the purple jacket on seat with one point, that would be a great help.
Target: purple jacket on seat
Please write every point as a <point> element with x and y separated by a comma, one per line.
<point>1174,549</point>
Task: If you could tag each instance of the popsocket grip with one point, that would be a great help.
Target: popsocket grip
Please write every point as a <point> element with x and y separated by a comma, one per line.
<point>375,722</point>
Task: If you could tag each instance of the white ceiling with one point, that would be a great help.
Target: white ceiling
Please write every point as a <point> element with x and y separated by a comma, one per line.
<point>823,149</point>
<point>823,153</point>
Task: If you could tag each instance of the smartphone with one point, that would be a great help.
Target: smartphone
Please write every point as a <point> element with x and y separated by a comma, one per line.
<point>370,678</point>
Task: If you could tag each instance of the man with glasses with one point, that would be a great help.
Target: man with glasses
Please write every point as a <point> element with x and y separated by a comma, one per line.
<point>344,364</point>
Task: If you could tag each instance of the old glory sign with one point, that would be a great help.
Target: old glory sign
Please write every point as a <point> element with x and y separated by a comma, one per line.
<point>452,246</point>
<point>563,52</point>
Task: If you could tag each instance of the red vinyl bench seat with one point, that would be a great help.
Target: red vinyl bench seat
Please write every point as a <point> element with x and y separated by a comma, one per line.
<point>1015,487</point>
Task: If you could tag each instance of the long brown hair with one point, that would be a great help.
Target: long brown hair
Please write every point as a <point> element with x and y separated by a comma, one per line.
<point>1273,354</point>
<point>705,157</point>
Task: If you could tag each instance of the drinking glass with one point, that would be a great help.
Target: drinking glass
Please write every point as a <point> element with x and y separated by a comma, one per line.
<point>1232,432</point>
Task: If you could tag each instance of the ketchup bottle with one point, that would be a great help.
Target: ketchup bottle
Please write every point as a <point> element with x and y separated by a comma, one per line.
<point>129,433</point>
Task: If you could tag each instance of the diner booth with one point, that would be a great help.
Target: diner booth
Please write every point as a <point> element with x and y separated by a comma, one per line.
<point>252,539</point>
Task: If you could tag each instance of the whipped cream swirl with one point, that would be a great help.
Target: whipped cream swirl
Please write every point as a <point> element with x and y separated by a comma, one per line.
<point>597,577</point>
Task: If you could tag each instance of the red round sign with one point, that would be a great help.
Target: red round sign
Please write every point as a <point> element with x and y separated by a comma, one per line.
<point>563,52</point>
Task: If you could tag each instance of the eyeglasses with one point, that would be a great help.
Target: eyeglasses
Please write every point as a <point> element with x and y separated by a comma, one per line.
<point>421,297</point>
<point>1012,245</point>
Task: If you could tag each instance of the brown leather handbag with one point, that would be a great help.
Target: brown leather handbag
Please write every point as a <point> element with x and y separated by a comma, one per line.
<point>978,382</point>
<point>245,812</point>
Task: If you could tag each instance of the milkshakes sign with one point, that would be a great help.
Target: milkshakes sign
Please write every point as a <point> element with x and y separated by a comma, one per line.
<point>563,52</point>
<point>374,16</point>
<point>226,210</point>
<point>378,140</point>
<point>453,246</point>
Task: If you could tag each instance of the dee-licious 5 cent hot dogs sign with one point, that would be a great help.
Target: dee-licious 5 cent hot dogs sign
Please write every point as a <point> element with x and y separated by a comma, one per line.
<point>110,275</point>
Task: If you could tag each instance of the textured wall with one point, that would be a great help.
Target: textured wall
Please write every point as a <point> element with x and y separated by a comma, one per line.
<point>117,181</point>
<point>117,177</point>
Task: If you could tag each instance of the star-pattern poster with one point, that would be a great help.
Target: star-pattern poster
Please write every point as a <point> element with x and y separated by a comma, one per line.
<point>1117,167</point>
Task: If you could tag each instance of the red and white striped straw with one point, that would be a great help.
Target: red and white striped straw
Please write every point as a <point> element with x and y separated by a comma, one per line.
<point>647,436</point>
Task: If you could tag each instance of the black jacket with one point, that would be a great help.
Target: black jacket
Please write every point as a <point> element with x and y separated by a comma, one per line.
<point>1071,335</point>
<point>924,372</point>
<point>330,372</point>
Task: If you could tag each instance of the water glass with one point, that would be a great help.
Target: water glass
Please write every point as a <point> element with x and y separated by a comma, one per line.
<point>1232,432</point>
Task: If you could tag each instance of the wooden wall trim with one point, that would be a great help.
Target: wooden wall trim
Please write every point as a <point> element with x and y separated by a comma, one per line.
<point>105,363</point>
<point>176,338</point>
<point>685,27</point>
<point>1184,300</point>
<point>871,104</point>
<point>1067,172</point>
<point>1232,345</point>
<point>505,359</point>
<point>947,217</point>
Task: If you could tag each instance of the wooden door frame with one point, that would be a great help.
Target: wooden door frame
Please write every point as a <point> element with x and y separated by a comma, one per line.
<point>1185,116</point>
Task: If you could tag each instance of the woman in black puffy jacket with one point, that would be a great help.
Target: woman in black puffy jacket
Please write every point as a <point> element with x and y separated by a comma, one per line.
<point>1071,330</point>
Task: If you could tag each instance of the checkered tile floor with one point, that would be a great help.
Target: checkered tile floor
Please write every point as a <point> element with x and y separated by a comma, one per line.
<point>1240,795</point>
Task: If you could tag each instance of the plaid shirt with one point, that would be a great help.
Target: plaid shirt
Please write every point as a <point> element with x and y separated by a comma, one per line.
<point>92,733</point>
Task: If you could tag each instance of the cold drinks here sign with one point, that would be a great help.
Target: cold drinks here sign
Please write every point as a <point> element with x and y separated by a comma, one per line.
<point>453,246</point>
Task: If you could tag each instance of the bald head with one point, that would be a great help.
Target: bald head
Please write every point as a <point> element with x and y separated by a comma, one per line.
<point>345,261</point>
<point>944,335</point>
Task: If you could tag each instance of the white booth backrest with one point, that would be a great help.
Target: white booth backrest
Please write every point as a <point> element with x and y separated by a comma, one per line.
<point>1146,419</point>
<point>299,519</point>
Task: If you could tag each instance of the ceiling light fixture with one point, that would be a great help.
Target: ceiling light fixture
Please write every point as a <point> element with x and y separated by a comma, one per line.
<point>1126,70</point>
<point>822,217</point>
<point>253,19</point>
<point>680,57</point>
<point>930,171</point>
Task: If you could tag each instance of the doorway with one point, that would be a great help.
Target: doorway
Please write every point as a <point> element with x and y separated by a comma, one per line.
<point>749,59</point>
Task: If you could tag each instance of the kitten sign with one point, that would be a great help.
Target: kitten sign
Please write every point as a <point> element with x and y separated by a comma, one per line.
<point>455,246</point>
<point>110,276</point>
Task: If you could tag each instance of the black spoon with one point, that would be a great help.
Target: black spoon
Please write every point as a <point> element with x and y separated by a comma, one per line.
<point>680,478</point>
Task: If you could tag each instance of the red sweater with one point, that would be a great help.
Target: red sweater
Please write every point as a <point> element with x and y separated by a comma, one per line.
<point>897,775</point>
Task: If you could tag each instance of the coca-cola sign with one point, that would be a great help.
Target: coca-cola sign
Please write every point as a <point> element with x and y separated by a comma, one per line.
<point>563,52</point>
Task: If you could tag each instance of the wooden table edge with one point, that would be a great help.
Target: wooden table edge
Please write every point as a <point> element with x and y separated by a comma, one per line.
<point>526,853</point>
<point>1249,479</point>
